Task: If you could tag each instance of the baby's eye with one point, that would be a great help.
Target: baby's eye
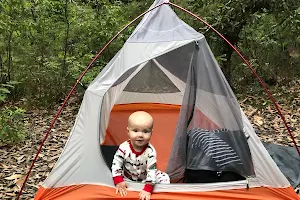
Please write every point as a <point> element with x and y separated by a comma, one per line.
<point>146,131</point>
<point>134,130</point>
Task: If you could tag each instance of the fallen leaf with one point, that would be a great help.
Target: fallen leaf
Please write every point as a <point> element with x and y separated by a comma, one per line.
<point>294,120</point>
<point>41,155</point>
<point>20,182</point>
<point>259,120</point>
<point>5,167</point>
<point>16,189</point>
<point>11,194</point>
<point>13,177</point>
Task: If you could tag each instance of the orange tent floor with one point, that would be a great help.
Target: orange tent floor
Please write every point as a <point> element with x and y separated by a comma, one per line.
<point>96,192</point>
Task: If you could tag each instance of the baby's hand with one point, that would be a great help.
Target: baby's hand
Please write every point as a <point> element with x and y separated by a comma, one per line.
<point>145,195</point>
<point>121,187</point>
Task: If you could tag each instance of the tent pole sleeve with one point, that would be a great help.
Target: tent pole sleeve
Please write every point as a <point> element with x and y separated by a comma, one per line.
<point>72,90</point>
<point>250,67</point>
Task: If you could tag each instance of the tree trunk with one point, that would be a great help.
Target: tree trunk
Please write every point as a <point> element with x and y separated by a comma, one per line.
<point>40,43</point>
<point>1,70</point>
<point>226,64</point>
<point>9,57</point>
<point>64,68</point>
<point>233,38</point>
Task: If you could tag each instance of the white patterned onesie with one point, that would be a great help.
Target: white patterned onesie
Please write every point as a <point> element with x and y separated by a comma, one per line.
<point>137,166</point>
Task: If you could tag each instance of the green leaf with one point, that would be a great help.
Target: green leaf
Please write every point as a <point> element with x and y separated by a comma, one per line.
<point>7,85</point>
<point>2,98</point>
<point>4,90</point>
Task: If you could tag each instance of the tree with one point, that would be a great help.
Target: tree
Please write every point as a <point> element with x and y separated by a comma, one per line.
<point>233,19</point>
<point>10,15</point>
<point>46,44</point>
<point>64,69</point>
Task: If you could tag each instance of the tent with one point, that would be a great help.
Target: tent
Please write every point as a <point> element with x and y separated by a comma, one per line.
<point>167,69</point>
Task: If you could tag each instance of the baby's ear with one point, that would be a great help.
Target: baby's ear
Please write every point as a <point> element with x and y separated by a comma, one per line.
<point>128,132</point>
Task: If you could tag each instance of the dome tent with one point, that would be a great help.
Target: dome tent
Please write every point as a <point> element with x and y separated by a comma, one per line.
<point>167,69</point>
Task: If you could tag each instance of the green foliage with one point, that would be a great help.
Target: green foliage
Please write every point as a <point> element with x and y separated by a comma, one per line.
<point>5,89</point>
<point>270,41</point>
<point>11,125</point>
<point>11,119</point>
<point>45,45</point>
<point>265,32</point>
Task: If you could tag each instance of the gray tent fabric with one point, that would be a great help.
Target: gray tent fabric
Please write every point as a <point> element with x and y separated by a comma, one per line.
<point>288,161</point>
<point>156,26</point>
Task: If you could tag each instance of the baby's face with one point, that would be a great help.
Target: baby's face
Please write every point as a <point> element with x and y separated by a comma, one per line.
<point>139,132</point>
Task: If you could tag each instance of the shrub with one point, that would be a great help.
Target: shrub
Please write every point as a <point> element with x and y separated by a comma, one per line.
<point>12,128</point>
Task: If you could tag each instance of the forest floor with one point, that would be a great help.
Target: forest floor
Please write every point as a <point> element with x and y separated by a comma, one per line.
<point>16,160</point>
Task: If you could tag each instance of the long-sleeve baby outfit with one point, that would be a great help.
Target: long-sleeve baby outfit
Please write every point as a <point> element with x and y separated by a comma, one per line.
<point>131,165</point>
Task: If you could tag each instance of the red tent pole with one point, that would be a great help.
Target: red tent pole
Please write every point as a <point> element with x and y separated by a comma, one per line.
<point>72,90</point>
<point>251,68</point>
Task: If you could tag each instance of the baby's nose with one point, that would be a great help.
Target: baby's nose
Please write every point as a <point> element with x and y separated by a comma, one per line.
<point>140,133</point>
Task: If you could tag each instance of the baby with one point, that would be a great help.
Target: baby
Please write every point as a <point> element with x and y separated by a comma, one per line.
<point>135,160</point>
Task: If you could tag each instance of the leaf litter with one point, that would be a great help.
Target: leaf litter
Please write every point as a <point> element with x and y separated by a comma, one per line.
<point>16,160</point>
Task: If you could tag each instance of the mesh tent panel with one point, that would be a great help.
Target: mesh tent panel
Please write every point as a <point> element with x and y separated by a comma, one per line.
<point>151,80</point>
<point>208,92</point>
